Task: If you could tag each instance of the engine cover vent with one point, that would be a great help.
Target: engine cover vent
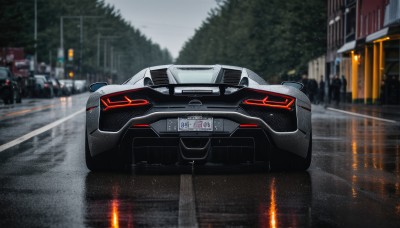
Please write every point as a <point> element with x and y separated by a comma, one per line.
<point>159,77</point>
<point>231,77</point>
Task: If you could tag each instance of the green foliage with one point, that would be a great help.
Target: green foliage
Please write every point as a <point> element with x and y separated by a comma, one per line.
<point>270,37</point>
<point>135,51</point>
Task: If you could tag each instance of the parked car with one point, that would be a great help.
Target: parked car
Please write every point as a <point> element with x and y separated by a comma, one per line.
<point>9,89</point>
<point>43,87</point>
<point>56,86</point>
<point>68,86</point>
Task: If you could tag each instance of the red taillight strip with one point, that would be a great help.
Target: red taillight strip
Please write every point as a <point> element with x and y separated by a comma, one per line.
<point>123,104</point>
<point>248,125</point>
<point>141,125</point>
<point>91,108</point>
<point>286,104</point>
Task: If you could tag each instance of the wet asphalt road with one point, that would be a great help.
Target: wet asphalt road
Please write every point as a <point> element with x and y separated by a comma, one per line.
<point>354,179</point>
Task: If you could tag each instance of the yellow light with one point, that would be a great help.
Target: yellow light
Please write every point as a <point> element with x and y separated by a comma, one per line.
<point>356,58</point>
<point>70,54</point>
<point>71,74</point>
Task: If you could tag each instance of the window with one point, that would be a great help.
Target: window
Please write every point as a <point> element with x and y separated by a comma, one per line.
<point>3,74</point>
<point>379,18</point>
<point>194,75</point>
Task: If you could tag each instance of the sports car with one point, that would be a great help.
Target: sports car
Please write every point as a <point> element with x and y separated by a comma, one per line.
<point>197,114</point>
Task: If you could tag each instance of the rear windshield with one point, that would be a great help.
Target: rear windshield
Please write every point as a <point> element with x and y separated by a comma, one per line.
<point>3,74</point>
<point>194,75</point>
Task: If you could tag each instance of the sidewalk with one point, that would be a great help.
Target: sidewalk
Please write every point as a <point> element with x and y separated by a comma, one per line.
<point>389,112</point>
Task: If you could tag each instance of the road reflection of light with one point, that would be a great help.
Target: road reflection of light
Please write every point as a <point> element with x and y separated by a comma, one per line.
<point>354,158</point>
<point>66,102</point>
<point>115,214</point>
<point>272,208</point>
<point>353,190</point>
<point>354,155</point>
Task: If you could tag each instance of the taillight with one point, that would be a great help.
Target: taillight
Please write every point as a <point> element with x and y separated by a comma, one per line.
<point>7,82</point>
<point>272,100</point>
<point>141,125</point>
<point>122,102</point>
<point>248,125</point>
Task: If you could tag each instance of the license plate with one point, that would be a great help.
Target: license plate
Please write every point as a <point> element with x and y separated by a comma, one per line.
<point>195,123</point>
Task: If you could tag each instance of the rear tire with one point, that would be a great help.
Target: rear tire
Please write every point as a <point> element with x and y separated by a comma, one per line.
<point>103,162</point>
<point>93,164</point>
<point>292,162</point>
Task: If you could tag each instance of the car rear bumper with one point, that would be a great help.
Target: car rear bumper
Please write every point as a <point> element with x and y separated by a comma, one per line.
<point>242,145</point>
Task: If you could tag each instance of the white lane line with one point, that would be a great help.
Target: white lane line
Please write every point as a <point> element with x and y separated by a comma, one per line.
<point>37,131</point>
<point>187,205</point>
<point>362,115</point>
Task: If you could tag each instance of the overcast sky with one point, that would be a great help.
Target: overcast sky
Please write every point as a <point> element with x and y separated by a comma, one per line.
<point>166,22</point>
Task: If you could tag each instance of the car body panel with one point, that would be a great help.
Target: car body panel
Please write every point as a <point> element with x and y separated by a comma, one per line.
<point>295,141</point>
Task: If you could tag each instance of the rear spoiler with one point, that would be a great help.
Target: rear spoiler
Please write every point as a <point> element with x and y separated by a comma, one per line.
<point>197,88</point>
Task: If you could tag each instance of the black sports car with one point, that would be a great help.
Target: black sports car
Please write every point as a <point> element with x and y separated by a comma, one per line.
<point>207,114</point>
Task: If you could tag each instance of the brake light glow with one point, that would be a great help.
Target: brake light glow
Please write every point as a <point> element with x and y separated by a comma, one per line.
<point>90,108</point>
<point>7,82</point>
<point>248,125</point>
<point>141,125</point>
<point>124,103</point>
<point>283,102</point>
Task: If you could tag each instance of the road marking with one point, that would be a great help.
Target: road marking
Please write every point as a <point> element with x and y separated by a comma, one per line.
<point>22,112</point>
<point>362,115</point>
<point>38,131</point>
<point>187,204</point>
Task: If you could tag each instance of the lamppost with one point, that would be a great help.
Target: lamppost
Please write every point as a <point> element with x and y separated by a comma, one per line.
<point>81,36</point>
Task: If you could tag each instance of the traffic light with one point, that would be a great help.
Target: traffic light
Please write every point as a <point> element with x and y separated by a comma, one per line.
<point>70,54</point>
<point>71,74</point>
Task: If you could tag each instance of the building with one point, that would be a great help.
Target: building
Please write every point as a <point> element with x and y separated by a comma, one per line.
<point>316,68</point>
<point>335,36</point>
<point>369,58</point>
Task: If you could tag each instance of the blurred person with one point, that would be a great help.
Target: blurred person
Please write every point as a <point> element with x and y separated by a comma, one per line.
<point>304,81</point>
<point>313,90</point>
<point>321,90</point>
<point>336,85</point>
<point>330,88</point>
<point>344,88</point>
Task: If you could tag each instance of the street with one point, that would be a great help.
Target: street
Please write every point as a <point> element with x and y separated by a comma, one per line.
<point>353,181</point>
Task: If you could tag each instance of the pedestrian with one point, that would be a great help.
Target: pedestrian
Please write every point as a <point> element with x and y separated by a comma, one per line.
<point>344,87</point>
<point>304,81</point>
<point>313,88</point>
<point>330,89</point>
<point>321,90</point>
<point>336,84</point>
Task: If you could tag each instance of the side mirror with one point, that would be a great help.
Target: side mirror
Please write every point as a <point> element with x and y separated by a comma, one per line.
<point>95,86</point>
<point>296,85</point>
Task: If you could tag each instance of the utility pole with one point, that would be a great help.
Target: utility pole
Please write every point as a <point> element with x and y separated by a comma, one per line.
<point>35,36</point>
<point>81,17</point>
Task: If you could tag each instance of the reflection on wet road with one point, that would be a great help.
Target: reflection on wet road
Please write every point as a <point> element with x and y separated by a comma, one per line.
<point>354,180</point>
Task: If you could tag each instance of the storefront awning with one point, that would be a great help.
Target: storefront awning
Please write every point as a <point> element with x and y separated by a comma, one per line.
<point>347,47</point>
<point>376,35</point>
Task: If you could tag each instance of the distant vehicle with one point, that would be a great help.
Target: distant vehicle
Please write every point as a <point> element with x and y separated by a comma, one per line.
<point>43,87</point>
<point>57,89</point>
<point>209,114</point>
<point>14,59</point>
<point>80,86</point>
<point>68,85</point>
<point>75,86</point>
<point>9,88</point>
